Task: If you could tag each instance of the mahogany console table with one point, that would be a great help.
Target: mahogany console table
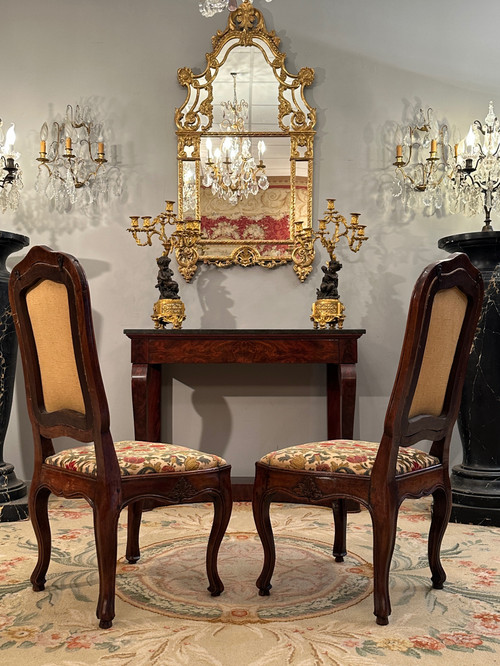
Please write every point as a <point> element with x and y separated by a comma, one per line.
<point>153,348</point>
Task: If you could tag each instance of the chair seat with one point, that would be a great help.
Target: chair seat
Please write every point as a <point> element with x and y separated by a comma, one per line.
<point>344,457</point>
<point>138,458</point>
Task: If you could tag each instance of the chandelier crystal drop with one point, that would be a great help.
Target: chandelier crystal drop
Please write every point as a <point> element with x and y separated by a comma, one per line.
<point>73,169</point>
<point>209,8</point>
<point>231,171</point>
<point>11,182</point>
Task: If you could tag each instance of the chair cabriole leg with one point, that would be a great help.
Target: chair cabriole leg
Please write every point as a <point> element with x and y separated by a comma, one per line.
<point>340,519</point>
<point>222,514</point>
<point>133,552</point>
<point>105,528</point>
<point>38,508</point>
<point>441,510</point>
<point>384,536</point>
<point>260,505</point>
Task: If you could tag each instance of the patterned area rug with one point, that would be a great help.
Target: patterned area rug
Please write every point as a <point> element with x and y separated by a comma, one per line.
<point>319,612</point>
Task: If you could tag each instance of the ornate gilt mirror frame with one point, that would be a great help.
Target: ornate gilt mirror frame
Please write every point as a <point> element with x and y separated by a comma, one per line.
<point>206,224</point>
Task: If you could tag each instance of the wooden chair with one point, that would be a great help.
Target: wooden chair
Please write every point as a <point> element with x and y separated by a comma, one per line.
<point>50,303</point>
<point>443,314</point>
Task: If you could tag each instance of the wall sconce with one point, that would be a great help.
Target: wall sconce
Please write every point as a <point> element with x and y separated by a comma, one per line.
<point>72,164</point>
<point>423,160</point>
<point>11,183</point>
<point>475,181</point>
<point>169,309</point>
<point>327,309</point>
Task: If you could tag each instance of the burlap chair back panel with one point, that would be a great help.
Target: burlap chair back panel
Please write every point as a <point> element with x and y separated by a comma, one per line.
<point>48,309</point>
<point>448,312</point>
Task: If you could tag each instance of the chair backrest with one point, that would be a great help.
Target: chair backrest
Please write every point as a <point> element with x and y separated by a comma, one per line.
<point>442,319</point>
<point>50,304</point>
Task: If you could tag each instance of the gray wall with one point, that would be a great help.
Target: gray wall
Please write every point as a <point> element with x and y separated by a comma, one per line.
<point>373,60</point>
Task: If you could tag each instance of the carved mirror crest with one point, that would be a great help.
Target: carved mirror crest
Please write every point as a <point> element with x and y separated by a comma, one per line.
<point>245,154</point>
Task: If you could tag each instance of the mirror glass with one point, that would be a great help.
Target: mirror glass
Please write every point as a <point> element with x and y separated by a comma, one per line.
<point>245,150</point>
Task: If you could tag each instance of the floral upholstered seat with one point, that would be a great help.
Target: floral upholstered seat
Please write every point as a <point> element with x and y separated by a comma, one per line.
<point>344,456</point>
<point>138,458</point>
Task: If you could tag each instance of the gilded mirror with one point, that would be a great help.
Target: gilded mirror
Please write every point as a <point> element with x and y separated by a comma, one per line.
<point>245,154</point>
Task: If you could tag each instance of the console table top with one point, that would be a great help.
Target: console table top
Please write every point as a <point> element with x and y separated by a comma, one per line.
<point>243,332</point>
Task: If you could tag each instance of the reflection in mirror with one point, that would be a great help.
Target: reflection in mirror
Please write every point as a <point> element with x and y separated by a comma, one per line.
<point>245,149</point>
<point>256,84</point>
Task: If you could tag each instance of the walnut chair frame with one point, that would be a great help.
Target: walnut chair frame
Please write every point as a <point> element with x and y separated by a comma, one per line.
<point>85,418</point>
<point>423,405</point>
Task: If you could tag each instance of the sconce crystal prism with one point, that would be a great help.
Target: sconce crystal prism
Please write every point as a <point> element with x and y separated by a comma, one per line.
<point>11,183</point>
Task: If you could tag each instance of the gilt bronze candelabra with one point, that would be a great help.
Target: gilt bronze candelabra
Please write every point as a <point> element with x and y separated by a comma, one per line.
<point>168,309</point>
<point>328,310</point>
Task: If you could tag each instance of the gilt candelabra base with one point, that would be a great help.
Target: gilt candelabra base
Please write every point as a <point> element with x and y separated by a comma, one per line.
<point>168,311</point>
<point>327,312</point>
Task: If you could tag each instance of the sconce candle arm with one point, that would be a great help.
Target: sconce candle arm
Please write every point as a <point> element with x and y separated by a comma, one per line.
<point>12,168</point>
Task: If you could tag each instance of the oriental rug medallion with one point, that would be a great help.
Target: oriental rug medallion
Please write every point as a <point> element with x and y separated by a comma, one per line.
<point>308,582</point>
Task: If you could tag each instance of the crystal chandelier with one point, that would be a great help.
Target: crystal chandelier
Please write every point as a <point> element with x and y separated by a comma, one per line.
<point>72,166</point>
<point>12,182</point>
<point>475,181</point>
<point>423,160</point>
<point>210,7</point>
<point>230,170</point>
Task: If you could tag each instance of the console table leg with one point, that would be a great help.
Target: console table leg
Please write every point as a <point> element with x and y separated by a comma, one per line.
<point>341,398</point>
<point>348,394</point>
<point>146,401</point>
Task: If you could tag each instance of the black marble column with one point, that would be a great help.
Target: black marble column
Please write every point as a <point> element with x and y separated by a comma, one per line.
<point>13,491</point>
<point>476,482</point>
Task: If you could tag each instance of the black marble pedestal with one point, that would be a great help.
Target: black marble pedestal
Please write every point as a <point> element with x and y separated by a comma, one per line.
<point>13,491</point>
<point>476,482</point>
